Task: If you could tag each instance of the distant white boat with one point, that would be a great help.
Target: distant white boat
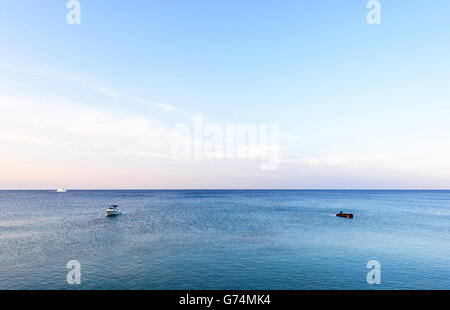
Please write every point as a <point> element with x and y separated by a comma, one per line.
<point>61,190</point>
<point>113,210</point>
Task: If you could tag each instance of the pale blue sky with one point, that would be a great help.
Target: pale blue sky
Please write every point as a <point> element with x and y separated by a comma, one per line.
<point>358,105</point>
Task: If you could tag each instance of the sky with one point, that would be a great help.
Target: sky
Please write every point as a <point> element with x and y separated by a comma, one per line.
<point>96,105</point>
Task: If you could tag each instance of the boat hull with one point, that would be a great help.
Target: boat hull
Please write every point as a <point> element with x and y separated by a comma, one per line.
<point>113,212</point>
<point>346,215</point>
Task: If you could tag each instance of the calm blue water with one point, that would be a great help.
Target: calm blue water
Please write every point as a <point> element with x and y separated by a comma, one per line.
<point>225,239</point>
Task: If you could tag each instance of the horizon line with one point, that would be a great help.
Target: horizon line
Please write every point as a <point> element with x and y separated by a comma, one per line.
<point>225,189</point>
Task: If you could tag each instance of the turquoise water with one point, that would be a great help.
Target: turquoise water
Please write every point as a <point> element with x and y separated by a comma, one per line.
<point>225,239</point>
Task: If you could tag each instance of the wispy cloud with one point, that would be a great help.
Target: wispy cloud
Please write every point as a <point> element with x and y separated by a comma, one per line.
<point>88,83</point>
<point>163,106</point>
<point>65,124</point>
<point>351,161</point>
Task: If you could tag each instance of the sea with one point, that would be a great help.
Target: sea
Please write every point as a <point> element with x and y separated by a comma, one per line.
<point>225,239</point>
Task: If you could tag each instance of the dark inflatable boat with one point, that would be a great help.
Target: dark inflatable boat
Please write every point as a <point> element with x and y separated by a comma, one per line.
<point>347,215</point>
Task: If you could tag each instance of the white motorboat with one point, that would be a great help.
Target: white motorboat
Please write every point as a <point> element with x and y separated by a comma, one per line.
<point>61,190</point>
<point>113,210</point>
